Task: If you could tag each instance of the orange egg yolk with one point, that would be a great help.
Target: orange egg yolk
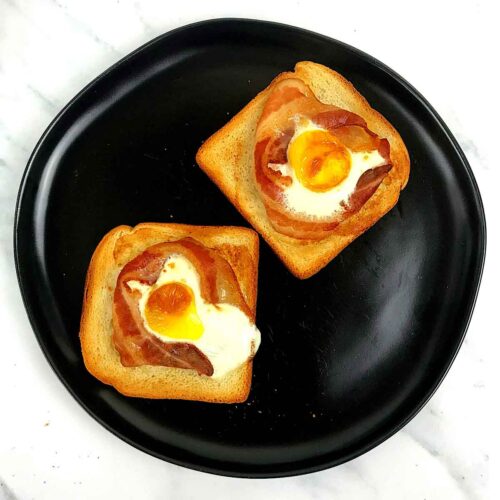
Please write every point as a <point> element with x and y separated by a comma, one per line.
<point>171,311</point>
<point>319,160</point>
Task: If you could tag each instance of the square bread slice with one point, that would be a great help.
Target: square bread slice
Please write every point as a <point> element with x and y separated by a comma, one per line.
<point>227,158</point>
<point>239,246</point>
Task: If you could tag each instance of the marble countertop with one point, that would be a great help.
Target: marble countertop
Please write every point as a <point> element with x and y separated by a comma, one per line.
<point>49,446</point>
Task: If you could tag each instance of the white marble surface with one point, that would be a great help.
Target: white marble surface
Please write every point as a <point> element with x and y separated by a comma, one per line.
<point>50,448</point>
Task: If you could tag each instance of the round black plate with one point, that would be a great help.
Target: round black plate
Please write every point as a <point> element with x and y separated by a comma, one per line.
<point>349,355</point>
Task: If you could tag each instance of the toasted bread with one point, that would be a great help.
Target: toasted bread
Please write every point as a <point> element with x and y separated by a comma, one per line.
<point>227,158</point>
<point>239,246</point>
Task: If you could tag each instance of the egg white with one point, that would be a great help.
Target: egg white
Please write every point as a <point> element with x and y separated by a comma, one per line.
<point>314,204</point>
<point>229,338</point>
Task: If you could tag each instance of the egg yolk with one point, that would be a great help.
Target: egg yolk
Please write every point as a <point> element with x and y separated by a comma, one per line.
<point>170,311</point>
<point>319,160</point>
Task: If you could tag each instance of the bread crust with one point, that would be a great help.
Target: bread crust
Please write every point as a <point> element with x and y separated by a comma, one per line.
<point>239,246</point>
<point>227,158</point>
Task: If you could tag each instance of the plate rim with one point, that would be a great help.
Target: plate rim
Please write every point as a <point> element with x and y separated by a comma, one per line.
<point>309,465</point>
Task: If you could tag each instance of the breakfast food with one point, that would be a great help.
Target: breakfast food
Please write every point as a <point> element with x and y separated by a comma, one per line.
<point>309,164</point>
<point>169,311</point>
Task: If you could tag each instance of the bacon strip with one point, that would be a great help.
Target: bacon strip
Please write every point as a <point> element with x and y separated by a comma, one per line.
<point>290,99</point>
<point>137,346</point>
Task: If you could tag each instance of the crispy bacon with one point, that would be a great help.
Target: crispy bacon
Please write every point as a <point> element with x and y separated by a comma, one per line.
<point>336,118</point>
<point>135,345</point>
<point>366,186</point>
<point>291,100</point>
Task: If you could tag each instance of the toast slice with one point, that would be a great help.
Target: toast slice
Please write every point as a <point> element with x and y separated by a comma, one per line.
<point>227,158</point>
<point>239,246</point>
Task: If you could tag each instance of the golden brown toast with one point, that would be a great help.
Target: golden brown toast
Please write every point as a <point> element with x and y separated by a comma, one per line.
<point>227,158</point>
<point>239,246</point>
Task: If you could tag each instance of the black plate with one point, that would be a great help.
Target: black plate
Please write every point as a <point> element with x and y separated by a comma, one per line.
<point>348,356</point>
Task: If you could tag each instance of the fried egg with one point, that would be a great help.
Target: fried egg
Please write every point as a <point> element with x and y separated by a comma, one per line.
<point>324,171</point>
<point>173,310</point>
